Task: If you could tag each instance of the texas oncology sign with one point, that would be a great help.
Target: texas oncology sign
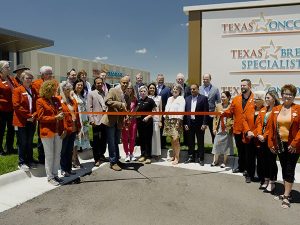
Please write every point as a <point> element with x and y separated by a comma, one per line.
<point>261,25</point>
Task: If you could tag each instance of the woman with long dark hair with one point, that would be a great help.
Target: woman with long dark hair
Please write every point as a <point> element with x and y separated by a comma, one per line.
<point>266,159</point>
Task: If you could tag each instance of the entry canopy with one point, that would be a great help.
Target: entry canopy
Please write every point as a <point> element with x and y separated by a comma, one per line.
<point>20,42</point>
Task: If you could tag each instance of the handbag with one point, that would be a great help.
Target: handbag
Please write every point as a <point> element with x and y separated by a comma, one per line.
<point>279,147</point>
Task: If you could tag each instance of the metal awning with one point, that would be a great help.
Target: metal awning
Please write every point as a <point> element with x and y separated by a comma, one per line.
<point>19,42</point>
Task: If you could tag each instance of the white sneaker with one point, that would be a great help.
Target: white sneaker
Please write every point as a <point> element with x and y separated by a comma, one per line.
<point>127,159</point>
<point>23,167</point>
<point>132,157</point>
<point>53,182</point>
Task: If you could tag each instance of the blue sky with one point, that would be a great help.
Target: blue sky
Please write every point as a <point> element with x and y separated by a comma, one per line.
<point>149,35</point>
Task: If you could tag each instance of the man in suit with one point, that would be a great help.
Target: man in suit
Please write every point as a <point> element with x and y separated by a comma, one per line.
<point>186,88</point>
<point>106,86</point>
<point>138,84</point>
<point>115,102</point>
<point>241,105</point>
<point>95,103</point>
<point>213,95</point>
<point>165,93</point>
<point>196,125</point>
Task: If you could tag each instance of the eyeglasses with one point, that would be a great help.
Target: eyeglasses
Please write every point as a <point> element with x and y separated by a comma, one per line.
<point>288,94</point>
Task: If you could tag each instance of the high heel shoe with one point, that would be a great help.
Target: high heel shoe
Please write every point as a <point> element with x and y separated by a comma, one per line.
<point>270,188</point>
<point>264,185</point>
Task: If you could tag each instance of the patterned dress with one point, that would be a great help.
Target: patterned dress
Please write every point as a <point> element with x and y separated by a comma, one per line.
<point>82,140</point>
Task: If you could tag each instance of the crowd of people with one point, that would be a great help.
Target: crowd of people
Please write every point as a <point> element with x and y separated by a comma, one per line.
<point>261,126</point>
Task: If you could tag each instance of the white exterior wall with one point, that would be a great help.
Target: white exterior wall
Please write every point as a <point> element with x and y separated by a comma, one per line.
<point>61,64</point>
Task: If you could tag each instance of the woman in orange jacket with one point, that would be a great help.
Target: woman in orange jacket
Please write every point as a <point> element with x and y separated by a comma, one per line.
<point>7,85</point>
<point>72,128</point>
<point>284,138</point>
<point>24,99</point>
<point>265,158</point>
<point>50,117</point>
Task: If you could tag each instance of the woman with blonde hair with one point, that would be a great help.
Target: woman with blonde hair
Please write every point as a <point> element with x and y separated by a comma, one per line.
<point>130,126</point>
<point>50,117</point>
<point>173,123</point>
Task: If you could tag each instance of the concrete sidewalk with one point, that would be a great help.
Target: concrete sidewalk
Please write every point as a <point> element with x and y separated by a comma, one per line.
<point>18,187</point>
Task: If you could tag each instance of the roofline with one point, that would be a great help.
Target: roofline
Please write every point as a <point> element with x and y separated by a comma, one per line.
<point>239,5</point>
<point>45,42</point>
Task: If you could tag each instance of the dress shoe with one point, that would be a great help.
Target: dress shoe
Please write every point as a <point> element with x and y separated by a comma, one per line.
<point>72,172</point>
<point>147,161</point>
<point>142,159</point>
<point>65,174</point>
<point>270,188</point>
<point>115,167</point>
<point>248,180</point>
<point>255,179</point>
<point>201,162</point>
<point>214,164</point>
<point>189,160</point>
<point>97,163</point>
<point>103,159</point>
<point>245,173</point>
<point>236,170</point>
<point>121,165</point>
<point>59,180</point>
<point>3,153</point>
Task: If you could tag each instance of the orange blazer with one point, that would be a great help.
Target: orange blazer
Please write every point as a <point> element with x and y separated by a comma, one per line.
<point>21,106</point>
<point>294,132</point>
<point>6,94</point>
<point>236,110</point>
<point>36,85</point>
<point>46,113</point>
<point>260,123</point>
<point>68,122</point>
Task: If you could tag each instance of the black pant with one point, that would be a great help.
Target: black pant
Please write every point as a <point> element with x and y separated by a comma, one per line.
<point>99,141</point>
<point>266,163</point>
<point>25,139</point>
<point>241,151</point>
<point>145,130</point>
<point>40,147</point>
<point>210,126</point>
<point>6,119</point>
<point>288,163</point>
<point>196,130</point>
<point>67,152</point>
<point>250,158</point>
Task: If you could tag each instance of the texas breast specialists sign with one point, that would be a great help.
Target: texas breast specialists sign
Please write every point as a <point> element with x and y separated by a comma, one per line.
<point>261,44</point>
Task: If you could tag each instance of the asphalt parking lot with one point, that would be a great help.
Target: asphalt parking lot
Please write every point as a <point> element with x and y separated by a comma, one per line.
<point>154,194</point>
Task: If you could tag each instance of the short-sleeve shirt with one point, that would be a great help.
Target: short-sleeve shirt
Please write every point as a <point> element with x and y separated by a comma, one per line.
<point>145,105</point>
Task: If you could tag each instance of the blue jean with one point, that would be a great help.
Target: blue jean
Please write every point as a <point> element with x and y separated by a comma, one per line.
<point>67,152</point>
<point>113,140</point>
<point>25,139</point>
